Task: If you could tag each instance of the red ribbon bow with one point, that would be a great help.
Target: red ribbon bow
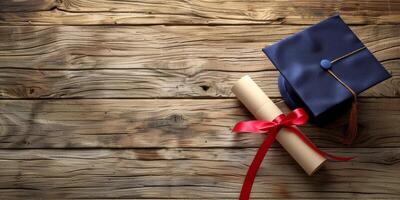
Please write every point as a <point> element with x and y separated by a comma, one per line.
<point>296,117</point>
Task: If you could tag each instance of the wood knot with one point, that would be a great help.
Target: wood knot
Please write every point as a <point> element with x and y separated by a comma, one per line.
<point>205,87</point>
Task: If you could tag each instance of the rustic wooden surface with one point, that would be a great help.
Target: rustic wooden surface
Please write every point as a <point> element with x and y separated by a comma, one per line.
<point>118,99</point>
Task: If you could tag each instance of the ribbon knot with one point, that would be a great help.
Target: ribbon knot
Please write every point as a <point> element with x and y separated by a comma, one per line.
<point>271,128</point>
<point>296,117</point>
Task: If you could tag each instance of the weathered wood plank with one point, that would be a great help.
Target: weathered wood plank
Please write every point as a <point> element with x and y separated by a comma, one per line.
<point>193,173</point>
<point>157,61</point>
<point>27,5</point>
<point>171,47</point>
<point>196,12</point>
<point>169,123</point>
<point>150,83</point>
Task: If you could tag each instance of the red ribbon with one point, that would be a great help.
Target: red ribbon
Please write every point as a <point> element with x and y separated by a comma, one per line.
<point>296,117</point>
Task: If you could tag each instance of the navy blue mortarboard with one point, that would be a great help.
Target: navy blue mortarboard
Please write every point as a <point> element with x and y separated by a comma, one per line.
<point>323,68</point>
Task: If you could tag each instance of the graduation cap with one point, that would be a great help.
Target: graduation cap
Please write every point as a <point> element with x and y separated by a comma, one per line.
<point>323,68</point>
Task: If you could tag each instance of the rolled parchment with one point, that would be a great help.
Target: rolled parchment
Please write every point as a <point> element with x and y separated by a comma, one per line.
<point>261,106</point>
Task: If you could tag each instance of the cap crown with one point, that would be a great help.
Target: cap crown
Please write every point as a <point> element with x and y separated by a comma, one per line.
<point>302,61</point>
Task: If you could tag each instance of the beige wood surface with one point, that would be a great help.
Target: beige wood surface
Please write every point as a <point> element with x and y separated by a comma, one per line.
<point>99,123</point>
<point>130,99</point>
<point>77,12</point>
<point>187,61</point>
<point>205,173</point>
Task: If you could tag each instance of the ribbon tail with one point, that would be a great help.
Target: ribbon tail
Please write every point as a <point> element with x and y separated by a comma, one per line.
<point>255,165</point>
<point>352,129</point>
<point>315,148</point>
<point>335,158</point>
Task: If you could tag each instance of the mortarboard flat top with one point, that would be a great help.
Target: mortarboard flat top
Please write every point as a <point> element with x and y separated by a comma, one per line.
<point>303,60</point>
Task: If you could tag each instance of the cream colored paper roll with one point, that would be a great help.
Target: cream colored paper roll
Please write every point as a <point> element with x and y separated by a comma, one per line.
<point>261,106</point>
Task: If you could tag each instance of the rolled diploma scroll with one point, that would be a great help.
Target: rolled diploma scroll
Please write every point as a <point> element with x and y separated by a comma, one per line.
<point>261,106</point>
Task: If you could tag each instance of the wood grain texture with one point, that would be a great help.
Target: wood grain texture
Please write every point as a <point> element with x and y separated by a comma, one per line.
<point>100,123</point>
<point>188,53</point>
<point>77,12</point>
<point>192,173</point>
<point>158,61</point>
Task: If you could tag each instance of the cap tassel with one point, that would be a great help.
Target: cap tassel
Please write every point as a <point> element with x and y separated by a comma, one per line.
<point>352,128</point>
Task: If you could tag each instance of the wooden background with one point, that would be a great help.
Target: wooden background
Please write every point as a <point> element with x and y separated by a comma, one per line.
<point>130,99</point>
